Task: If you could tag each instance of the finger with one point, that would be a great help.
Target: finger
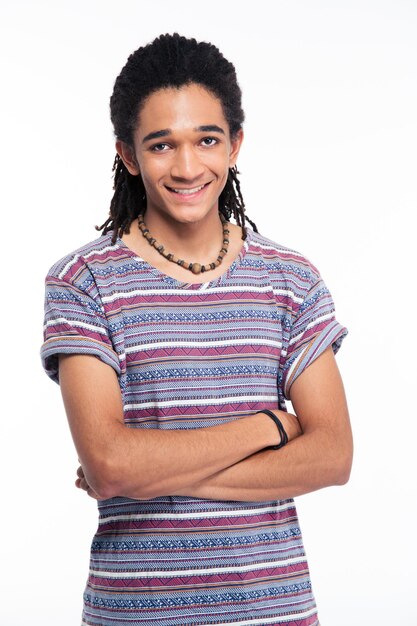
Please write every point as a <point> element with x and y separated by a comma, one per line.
<point>92,494</point>
<point>83,484</point>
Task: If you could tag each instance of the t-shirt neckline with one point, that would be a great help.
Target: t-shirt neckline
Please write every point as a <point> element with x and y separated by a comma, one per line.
<point>174,282</point>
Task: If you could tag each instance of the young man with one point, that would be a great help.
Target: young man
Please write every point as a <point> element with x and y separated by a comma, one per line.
<point>177,337</point>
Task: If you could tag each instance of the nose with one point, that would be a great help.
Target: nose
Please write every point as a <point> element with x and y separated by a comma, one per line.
<point>186,164</point>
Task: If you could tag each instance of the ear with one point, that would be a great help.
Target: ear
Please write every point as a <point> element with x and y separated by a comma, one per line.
<point>235,143</point>
<point>127,154</point>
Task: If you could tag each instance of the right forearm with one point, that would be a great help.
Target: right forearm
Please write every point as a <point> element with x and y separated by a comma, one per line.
<point>145,464</point>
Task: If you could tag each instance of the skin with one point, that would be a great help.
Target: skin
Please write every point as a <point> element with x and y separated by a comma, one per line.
<point>115,459</point>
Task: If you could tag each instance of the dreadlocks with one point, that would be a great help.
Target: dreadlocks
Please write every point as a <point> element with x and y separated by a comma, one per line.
<point>170,61</point>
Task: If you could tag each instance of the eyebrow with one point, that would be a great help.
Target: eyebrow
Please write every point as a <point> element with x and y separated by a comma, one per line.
<point>208,128</point>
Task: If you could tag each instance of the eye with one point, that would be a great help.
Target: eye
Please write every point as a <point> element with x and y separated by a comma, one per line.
<point>209,141</point>
<point>158,147</point>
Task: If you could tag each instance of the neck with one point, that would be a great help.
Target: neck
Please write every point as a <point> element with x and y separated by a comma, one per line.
<point>197,241</point>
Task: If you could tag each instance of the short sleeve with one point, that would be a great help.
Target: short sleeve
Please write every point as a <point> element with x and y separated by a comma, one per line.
<point>74,323</point>
<point>311,330</point>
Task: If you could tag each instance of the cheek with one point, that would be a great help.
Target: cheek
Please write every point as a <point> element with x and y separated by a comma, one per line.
<point>151,175</point>
<point>218,163</point>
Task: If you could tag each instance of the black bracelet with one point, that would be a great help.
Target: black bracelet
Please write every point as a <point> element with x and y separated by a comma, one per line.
<point>284,436</point>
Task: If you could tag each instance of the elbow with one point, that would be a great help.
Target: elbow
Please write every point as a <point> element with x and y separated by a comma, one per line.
<point>102,480</point>
<point>340,457</point>
<point>105,488</point>
<point>342,468</point>
<point>108,480</point>
<point>343,475</point>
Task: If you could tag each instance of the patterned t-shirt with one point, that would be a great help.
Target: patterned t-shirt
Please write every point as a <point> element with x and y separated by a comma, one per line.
<point>193,355</point>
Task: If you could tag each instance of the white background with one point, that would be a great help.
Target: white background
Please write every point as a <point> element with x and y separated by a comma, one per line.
<point>328,167</point>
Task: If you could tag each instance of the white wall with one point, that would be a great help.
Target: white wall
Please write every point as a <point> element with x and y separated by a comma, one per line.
<point>328,167</point>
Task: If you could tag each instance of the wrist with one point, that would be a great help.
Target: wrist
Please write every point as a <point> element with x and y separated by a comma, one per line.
<point>283,437</point>
<point>266,429</point>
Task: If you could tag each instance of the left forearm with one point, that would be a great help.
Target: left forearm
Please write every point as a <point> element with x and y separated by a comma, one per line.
<point>314,460</point>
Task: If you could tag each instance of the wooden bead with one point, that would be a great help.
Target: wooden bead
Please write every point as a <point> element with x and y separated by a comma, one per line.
<point>195,268</point>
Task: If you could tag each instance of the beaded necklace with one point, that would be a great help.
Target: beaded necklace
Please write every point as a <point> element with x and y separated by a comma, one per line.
<point>195,268</point>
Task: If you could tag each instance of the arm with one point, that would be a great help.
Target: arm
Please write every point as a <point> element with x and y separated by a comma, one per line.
<point>320,457</point>
<point>144,463</point>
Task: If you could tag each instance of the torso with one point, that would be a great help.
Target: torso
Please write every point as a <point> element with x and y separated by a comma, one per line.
<point>193,356</point>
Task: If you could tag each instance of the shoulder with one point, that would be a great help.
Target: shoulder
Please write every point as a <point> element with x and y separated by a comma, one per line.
<point>73,265</point>
<point>283,263</point>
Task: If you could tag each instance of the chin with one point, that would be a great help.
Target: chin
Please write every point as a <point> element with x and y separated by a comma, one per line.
<point>191,215</point>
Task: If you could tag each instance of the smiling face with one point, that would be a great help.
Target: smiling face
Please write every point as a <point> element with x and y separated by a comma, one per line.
<point>183,151</point>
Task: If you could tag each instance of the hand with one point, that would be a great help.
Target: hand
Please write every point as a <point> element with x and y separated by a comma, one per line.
<point>82,483</point>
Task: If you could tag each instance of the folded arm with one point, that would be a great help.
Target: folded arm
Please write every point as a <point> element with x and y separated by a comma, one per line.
<point>320,457</point>
<point>147,463</point>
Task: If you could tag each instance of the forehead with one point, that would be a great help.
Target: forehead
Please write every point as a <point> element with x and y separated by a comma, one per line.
<point>180,109</point>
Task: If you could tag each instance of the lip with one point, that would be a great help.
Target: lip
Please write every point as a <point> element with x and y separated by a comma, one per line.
<point>189,196</point>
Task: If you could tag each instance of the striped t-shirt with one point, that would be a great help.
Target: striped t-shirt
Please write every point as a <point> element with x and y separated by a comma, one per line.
<point>193,355</point>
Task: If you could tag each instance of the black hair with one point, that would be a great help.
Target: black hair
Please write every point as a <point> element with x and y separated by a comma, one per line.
<point>170,61</point>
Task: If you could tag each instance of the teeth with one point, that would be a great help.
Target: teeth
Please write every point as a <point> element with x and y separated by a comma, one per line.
<point>188,191</point>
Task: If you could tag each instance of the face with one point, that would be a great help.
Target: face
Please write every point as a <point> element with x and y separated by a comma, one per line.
<point>183,151</point>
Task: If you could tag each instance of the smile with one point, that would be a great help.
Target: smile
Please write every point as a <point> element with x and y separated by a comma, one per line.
<point>187,192</point>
